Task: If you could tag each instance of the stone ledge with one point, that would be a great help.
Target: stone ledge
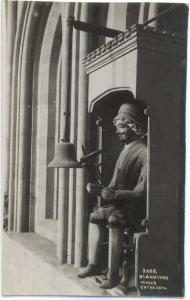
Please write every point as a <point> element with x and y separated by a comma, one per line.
<point>30,268</point>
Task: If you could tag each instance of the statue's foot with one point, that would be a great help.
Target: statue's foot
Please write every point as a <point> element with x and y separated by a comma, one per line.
<point>112,280</point>
<point>90,270</point>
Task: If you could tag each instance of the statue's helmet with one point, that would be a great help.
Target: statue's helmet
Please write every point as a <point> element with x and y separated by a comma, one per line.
<point>133,114</point>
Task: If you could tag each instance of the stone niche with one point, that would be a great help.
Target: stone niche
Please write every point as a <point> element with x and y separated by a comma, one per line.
<point>151,64</point>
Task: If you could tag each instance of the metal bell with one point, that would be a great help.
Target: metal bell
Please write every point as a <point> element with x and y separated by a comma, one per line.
<point>65,156</point>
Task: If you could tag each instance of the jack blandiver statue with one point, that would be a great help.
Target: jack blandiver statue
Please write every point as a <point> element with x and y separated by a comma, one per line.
<point>125,196</point>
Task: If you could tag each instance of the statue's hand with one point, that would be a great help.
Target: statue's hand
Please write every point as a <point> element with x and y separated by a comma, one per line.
<point>92,188</point>
<point>108,194</point>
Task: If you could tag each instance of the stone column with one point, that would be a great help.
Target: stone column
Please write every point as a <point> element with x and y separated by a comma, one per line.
<point>17,132</point>
<point>13,118</point>
<point>81,205</point>
<point>24,118</point>
<point>153,12</point>
<point>57,136</point>
<point>9,13</point>
<point>115,10</point>
<point>73,139</point>
<point>11,20</point>
<point>62,229</point>
<point>141,13</point>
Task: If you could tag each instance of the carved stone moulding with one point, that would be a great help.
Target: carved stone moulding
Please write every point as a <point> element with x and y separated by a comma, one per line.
<point>136,37</point>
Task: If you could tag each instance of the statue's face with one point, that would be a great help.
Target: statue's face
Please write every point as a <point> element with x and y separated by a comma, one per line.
<point>125,133</point>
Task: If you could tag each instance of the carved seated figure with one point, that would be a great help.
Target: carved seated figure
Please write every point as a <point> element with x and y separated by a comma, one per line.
<point>124,200</point>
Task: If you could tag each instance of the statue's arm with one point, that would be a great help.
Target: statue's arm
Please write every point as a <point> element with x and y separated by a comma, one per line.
<point>137,193</point>
<point>140,190</point>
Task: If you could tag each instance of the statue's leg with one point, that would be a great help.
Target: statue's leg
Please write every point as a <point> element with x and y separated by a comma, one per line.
<point>116,242</point>
<point>95,239</point>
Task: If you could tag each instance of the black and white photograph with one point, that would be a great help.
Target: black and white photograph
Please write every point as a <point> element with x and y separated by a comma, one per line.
<point>93,148</point>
